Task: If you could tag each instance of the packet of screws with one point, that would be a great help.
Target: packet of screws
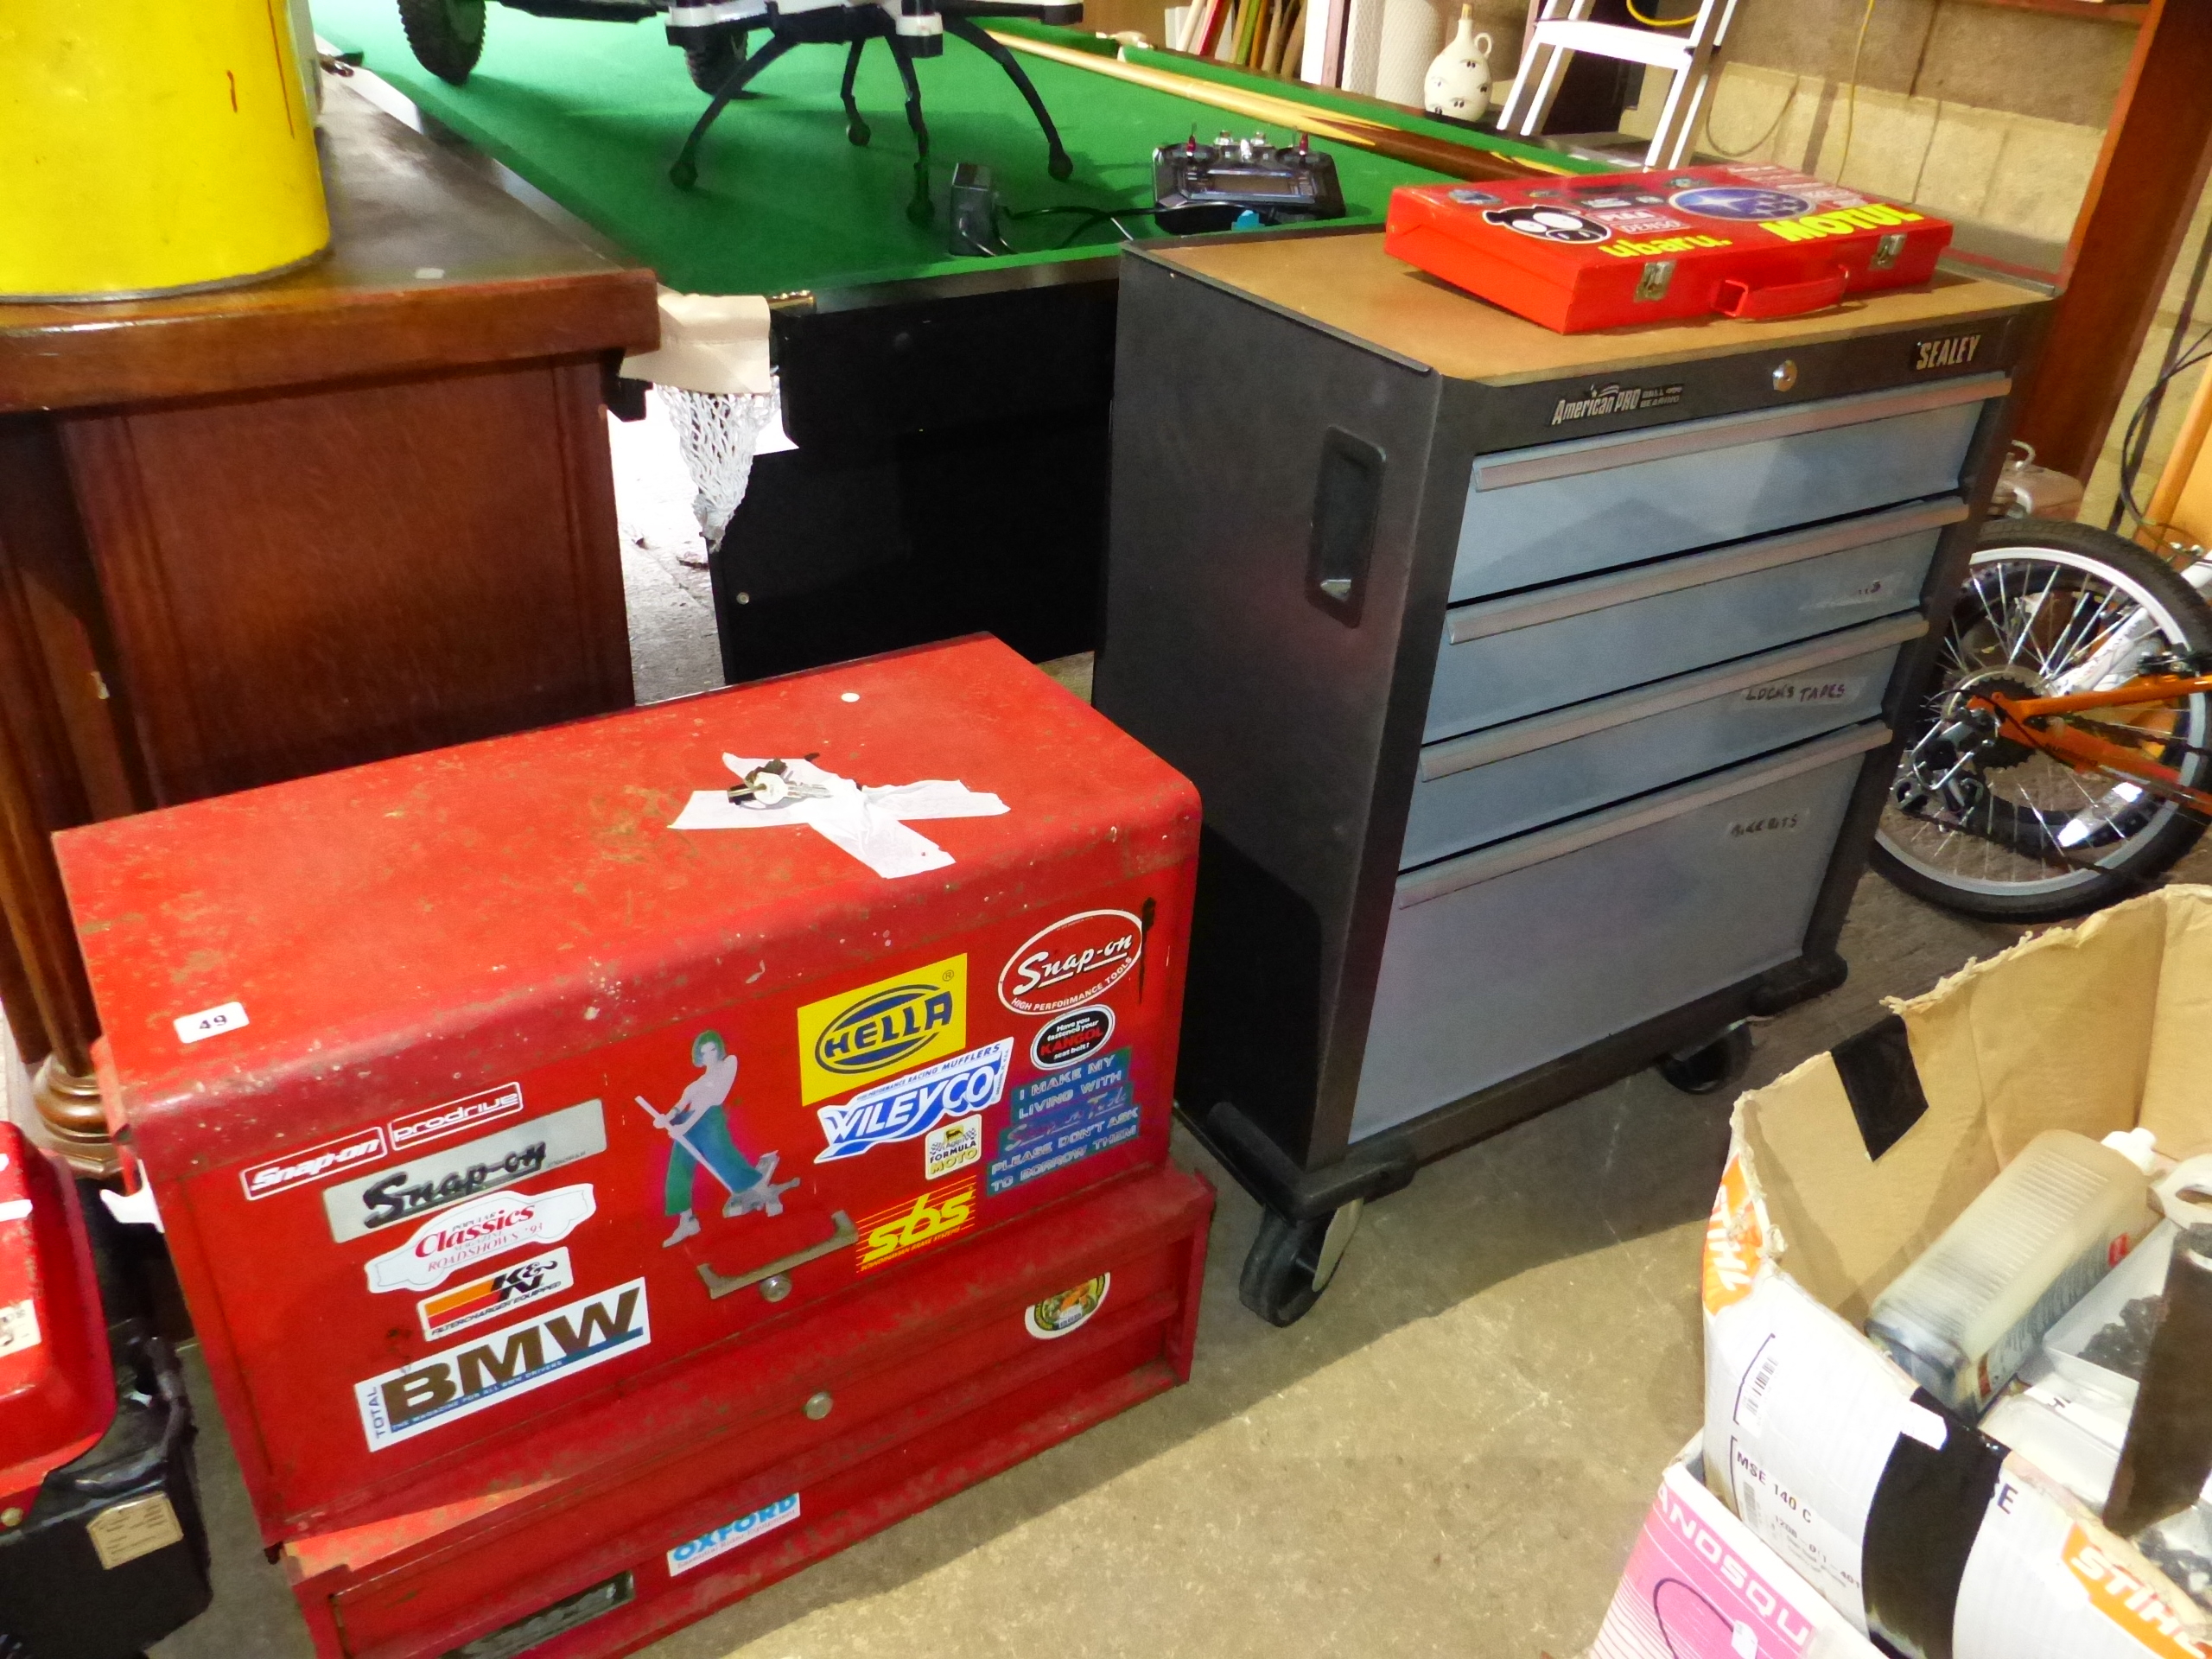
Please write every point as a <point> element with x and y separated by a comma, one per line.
<point>771,783</point>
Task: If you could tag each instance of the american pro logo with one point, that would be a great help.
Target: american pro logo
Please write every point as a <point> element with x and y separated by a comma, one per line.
<point>731,1534</point>
<point>488,1225</point>
<point>1075,959</point>
<point>916,1103</point>
<point>430,1393</point>
<point>467,1113</point>
<point>294,1168</point>
<point>438,1180</point>
<point>882,1027</point>
<point>1613,399</point>
<point>495,1296</point>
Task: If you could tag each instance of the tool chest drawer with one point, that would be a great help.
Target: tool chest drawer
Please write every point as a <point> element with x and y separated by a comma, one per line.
<point>1486,786</point>
<point>1566,510</point>
<point>757,1462</point>
<point>1502,959</point>
<point>1506,659</point>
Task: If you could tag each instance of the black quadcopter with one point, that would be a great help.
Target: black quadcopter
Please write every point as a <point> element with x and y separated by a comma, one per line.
<point>447,38</point>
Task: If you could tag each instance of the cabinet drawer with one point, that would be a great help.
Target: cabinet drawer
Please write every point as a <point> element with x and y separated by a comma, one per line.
<point>1505,958</point>
<point>1480,788</point>
<point>1506,658</point>
<point>1566,509</point>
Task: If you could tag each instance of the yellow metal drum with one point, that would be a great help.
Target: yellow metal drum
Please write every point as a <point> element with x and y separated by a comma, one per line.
<point>152,145</point>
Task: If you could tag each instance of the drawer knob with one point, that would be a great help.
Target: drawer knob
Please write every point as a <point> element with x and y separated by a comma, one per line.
<point>1785,374</point>
<point>817,1406</point>
<point>776,1287</point>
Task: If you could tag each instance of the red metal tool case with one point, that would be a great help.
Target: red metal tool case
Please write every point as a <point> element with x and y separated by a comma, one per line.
<point>1615,249</point>
<point>509,1137</point>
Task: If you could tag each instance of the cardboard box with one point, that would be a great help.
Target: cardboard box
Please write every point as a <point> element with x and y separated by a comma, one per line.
<point>1916,1527</point>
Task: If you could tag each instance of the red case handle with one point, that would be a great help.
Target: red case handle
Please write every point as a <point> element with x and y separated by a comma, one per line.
<point>1737,298</point>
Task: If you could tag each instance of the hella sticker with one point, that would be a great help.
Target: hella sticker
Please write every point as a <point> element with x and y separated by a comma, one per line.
<point>731,1534</point>
<point>1077,959</point>
<point>469,1112</point>
<point>892,1024</point>
<point>429,1393</point>
<point>297,1168</point>
<point>906,1227</point>
<point>495,1296</point>
<point>1069,1311</point>
<point>916,1103</point>
<point>1074,1036</point>
<point>952,1146</point>
<point>477,1230</point>
<point>438,1180</point>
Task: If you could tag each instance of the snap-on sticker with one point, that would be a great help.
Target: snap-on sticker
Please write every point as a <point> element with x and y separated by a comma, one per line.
<point>210,1022</point>
<point>297,1168</point>
<point>438,1180</point>
<point>469,1112</point>
<point>727,1536</point>
<point>1077,960</point>
<point>489,1224</point>
<point>1056,1316</point>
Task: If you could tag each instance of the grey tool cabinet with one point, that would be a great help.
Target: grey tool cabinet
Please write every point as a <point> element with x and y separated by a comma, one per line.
<point>1540,688</point>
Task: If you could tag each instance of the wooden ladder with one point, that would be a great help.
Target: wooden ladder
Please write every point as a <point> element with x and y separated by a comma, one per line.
<point>1693,57</point>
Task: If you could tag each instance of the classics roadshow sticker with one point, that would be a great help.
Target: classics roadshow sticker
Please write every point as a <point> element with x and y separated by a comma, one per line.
<point>476,1230</point>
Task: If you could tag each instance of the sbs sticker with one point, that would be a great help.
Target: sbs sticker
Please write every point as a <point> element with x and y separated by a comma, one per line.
<point>906,1227</point>
<point>727,1536</point>
<point>1075,960</point>
<point>860,1035</point>
<point>1069,1311</point>
<point>478,1229</point>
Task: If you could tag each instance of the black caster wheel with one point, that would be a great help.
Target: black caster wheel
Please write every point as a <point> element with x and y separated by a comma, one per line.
<point>856,132</point>
<point>683,176</point>
<point>1292,1262</point>
<point>1060,166</point>
<point>1719,1063</point>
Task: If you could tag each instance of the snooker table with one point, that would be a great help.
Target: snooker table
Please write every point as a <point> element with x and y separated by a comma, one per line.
<point>948,414</point>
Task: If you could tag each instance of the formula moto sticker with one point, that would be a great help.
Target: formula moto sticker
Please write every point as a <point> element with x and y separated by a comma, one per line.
<point>916,1103</point>
<point>1077,960</point>
<point>908,1226</point>
<point>723,1539</point>
<point>1063,1119</point>
<point>478,1229</point>
<point>1069,1311</point>
<point>951,1146</point>
<point>469,1112</point>
<point>429,1393</point>
<point>297,1168</point>
<point>438,1180</point>
<point>495,1296</point>
<point>859,1036</point>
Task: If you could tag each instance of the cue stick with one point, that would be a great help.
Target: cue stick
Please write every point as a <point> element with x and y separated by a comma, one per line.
<point>1454,161</point>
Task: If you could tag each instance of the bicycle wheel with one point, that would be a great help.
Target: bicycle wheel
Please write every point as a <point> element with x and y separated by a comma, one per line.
<point>2003,832</point>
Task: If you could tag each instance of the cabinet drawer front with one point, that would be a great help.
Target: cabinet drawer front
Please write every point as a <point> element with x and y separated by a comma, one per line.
<point>1475,789</point>
<point>1566,509</point>
<point>1517,657</point>
<point>1500,960</point>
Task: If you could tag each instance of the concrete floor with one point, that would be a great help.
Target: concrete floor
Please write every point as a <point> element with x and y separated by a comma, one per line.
<point>1450,1455</point>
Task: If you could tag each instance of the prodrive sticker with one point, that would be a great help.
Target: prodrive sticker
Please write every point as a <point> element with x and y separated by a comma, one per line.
<point>437,1180</point>
<point>727,1536</point>
<point>469,1112</point>
<point>441,1388</point>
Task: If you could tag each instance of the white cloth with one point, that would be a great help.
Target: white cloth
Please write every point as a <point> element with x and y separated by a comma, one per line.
<point>869,823</point>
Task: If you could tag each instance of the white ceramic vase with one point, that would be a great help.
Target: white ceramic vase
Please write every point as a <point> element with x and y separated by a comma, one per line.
<point>1458,82</point>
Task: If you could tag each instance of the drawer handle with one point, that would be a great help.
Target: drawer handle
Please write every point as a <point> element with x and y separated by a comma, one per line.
<point>721,1285</point>
<point>1347,499</point>
<point>1737,298</point>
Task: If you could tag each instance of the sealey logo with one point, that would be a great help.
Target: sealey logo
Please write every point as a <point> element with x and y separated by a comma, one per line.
<point>467,1113</point>
<point>495,1294</point>
<point>878,1028</point>
<point>1075,959</point>
<point>1945,353</point>
<point>296,1167</point>
<point>904,1227</point>
<point>437,1181</point>
<point>1074,1036</point>
<point>916,1103</point>
<point>429,1393</point>
<point>731,1534</point>
<point>490,1225</point>
<point>1614,399</point>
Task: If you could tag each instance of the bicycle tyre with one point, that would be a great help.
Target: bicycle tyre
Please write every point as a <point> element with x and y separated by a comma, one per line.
<point>2129,567</point>
<point>446,36</point>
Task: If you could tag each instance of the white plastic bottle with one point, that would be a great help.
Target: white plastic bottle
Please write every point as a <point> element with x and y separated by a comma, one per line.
<point>2033,1244</point>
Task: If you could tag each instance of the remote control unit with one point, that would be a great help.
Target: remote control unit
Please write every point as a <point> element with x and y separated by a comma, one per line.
<point>1205,187</point>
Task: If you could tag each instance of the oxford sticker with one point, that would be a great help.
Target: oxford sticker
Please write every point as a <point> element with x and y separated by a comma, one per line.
<point>1070,1310</point>
<point>731,1534</point>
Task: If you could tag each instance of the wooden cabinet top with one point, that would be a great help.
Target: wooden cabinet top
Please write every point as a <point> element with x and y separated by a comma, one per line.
<point>431,266</point>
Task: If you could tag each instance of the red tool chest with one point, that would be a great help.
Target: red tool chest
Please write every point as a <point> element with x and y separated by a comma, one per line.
<point>1614,249</point>
<point>519,1149</point>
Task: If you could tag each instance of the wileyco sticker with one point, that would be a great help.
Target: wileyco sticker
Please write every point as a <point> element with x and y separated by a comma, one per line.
<point>429,1393</point>
<point>438,1180</point>
<point>477,1230</point>
<point>469,1112</point>
<point>916,1103</point>
<point>1075,960</point>
<point>727,1536</point>
<point>314,1164</point>
<point>880,1029</point>
<point>495,1296</point>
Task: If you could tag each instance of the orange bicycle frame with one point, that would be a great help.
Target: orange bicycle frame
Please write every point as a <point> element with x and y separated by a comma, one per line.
<point>2020,719</point>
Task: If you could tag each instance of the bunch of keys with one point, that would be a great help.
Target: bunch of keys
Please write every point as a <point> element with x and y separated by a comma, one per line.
<point>771,783</point>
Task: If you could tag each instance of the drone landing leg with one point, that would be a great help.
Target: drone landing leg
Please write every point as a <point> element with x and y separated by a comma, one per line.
<point>918,209</point>
<point>1057,165</point>
<point>856,128</point>
<point>684,172</point>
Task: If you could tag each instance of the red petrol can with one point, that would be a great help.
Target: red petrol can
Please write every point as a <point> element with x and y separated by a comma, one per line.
<point>487,1092</point>
<point>1617,249</point>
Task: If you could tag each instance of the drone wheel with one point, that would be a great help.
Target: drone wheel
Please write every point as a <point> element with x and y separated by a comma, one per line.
<point>1059,167</point>
<point>683,176</point>
<point>446,36</point>
<point>715,59</point>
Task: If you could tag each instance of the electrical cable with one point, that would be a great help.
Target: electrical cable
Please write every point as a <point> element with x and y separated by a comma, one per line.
<point>1788,97</point>
<point>1661,22</point>
<point>1851,100</point>
<point>2135,447</point>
